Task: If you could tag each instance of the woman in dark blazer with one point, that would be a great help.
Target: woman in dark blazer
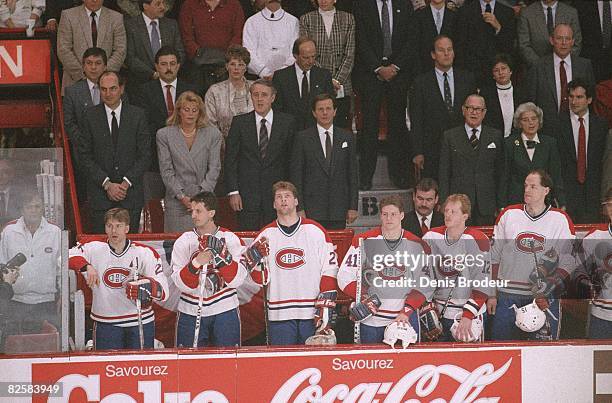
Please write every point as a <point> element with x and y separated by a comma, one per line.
<point>527,150</point>
<point>188,149</point>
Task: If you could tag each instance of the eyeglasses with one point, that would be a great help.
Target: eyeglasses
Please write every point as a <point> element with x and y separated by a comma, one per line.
<point>474,109</point>
<point>530,120</point>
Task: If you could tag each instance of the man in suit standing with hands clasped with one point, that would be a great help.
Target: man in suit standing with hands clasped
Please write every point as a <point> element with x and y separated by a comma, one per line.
<point>324,168</point>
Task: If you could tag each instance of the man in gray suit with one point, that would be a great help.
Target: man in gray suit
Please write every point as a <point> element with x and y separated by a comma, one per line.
<point>472,163</point>
<point>146,34</point>
<point>86,26</point>
<point>547,80</point>
<point>536,24</point>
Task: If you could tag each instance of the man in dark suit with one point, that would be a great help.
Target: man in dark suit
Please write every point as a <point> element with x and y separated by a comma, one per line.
<point>484,29</point>
<point>472,163</point>
<point>386,60</point>
<point>424,217</point>
<point>146,34</point>
<point>582,143</point>
<point>298,85</point>
<point>596,35</point>
<point>547,79</point>
<point>435,106</point>
<point>437,19</point>
<point>324,168</point>
<point>115,152</point>
<point>257,155</point>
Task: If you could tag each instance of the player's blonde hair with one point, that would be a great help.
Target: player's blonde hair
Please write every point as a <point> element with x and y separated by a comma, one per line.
<point>117,214</point>
<point>284,185</point>
<point>393,200</point>
<point>463,200</point>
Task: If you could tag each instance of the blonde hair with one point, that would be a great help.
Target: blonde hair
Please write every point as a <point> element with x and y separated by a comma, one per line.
<point>188,96</point>
<point>463,200</point>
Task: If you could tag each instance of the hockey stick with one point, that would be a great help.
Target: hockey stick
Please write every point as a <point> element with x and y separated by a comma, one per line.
<point>357,328</point>
<point>264,283</point>
<point>139,308</point>
<point>547,332</point>
<point>196,331</point>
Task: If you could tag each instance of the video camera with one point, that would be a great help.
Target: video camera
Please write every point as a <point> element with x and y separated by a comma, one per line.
<point>13,264</point>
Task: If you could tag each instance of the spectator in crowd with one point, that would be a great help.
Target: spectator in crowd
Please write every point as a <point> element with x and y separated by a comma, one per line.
<point>502,95</point>
<point>484,28</point>
<point>425,215</point>
<point>109,270</point>
<point>269,36</point>
<point>8,276</point>
<point>10,193</point>
<point>79,97</point>
<point>437,19</point>
<point>53,11</point>
<point>536,25</point>
<point>434,106</point>
<point>115,152</point>
<point>324,168</point>
<point>231,97</point>
<point>16,13</point>
<point>596,24</point>
<point>157,98</point>
<point>80,28</point>
<point>208,28</point>
<point>472,163</point>
<point>36,287</point>
<point>148,32</point>
<point>189,151</point>
<point>386,61</point>
<point>335,51</point>
<point>555,71</point>
<point>309,80</point>
<point>582,143</point>
<point>527,150</point>
<point>257,155</point>
<point>132,8</point>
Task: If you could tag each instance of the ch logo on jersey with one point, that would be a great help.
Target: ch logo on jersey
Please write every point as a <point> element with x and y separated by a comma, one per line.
<point>114,277</point>
<point>392,273</point>
<point>529,242</point>
<point>447,267</point>
<point>290,258</point>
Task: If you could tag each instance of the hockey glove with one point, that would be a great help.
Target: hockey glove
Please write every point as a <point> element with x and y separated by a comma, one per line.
<point>221,255</point>
<point>255,253</point>
<point>431,327</point>
<point>325,315</point>
<point>551,285</point>
<point>587,289</point>
<point>145,289</point>
<point>364,309</point>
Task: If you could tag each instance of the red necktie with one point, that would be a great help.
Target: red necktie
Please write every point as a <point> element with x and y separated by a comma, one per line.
<point>564,104</point>
<point>424,227</point>
<point>169,103</point>
<point>94,29</point>
<point>581,166</point>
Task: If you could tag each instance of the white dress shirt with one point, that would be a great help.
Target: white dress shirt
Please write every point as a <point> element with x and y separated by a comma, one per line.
<point>451,82</point>
<point>269,117</point>
<point>554,11</point>
<point>427,219</point>
<point>379,4</point>
<point>568,74</point>
<point>172,89</point>
<point>530,151</point>
<point>328,19</point>
<point>506,102</point>
<point>148,21</point>
<point>600,9</point>
<point>468,131</point>
<point>576,128</point>
<point>109,118</point>
<point>323,136</point>
<point>435,12</point>
<point>483,5</point>
<point>91,85</point>
<point>299,73</point>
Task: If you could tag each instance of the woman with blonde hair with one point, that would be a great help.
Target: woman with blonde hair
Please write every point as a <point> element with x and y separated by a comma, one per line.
<point>188,149</point>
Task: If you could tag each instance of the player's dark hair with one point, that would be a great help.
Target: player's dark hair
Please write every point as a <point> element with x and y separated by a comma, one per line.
<point>438,38</point>
<point>580,83</point>
<point>299,42</point>
<point>117,214</point>
<point>208,199</point>
<point>120,77</point>
<point>284,185</point>
<point>97,52</point>
<point>167,51</point>
<point>323,97</point>
<point>427,184</point>
<point>393,200</point>
<point>545,178</point>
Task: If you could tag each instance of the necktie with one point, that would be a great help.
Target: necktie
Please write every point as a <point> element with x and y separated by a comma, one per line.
<point>169,103</point>
<point>94,30</point>
<point>448,99</point>
<point>155,42</point>
<point>438,21</point>
<point>386,29</point>
<point>328,148</point>
<point>263,139</point>
<point>606,29</point>
<point>581,160</point>
<point>549,21</point>
<point>530,144</point>
<point>424,227</point>
<point>114,129</point>
<point>305,86</point>
<point>488,8</point>
<point>272,15</point>
<point>474,139</point>
<point>95,95</point>
<point>563,104</point>
<point>2,204</point>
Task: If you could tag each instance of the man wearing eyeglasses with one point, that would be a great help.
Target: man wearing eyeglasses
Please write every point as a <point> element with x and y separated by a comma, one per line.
<point>472,162</point>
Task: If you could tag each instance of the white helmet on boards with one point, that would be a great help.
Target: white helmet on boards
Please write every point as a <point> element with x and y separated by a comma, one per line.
<point>476,328</point>
<point>400,331</point>
<point>326,337</point>
<point>529,318</point>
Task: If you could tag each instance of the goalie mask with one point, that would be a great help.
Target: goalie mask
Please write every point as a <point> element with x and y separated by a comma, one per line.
<point>397,331</point>
<point>529,318</point>
<point>476,328</point>
<point>327,337</point>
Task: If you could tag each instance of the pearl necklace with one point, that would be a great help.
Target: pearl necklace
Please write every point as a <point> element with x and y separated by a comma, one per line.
<point>188,135</point>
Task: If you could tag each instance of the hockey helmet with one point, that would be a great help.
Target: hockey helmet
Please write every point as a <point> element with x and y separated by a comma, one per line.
<point>476,328</point>
<point>399,331</point>
<point>529,318</point>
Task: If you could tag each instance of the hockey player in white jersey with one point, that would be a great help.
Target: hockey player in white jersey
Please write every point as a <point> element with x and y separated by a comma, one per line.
<point>119,272</point>
<point>302,269</point>
<point>532,255</point>
<point>461,271</point>
<point>205,268</point>
<point>379,305</point>
<point>594,275</point>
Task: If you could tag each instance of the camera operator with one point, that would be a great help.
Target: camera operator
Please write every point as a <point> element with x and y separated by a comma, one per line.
<point>8,276</point>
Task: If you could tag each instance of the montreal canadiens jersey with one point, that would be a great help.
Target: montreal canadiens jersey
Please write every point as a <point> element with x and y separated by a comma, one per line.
<point>302,264</point>
<point>110,304</point>
<point>394,285</point>
<point>597,246</point>
<point>519,240</point>
<point>219,287</point>
<point>462,270</point>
